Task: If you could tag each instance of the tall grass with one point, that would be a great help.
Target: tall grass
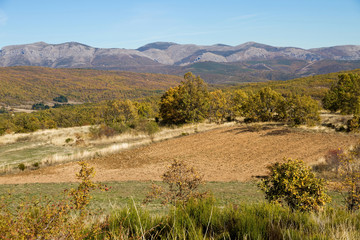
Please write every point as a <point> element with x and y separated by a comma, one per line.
<point>198,219</point>
<point>202,219</point>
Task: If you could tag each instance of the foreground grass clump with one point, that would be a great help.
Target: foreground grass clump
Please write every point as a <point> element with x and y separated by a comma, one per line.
<point>203,219</point>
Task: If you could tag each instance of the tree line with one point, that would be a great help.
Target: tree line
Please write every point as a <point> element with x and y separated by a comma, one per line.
<point>191,102</point>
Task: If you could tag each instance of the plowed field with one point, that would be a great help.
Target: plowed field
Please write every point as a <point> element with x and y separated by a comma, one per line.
<point>224,154</point>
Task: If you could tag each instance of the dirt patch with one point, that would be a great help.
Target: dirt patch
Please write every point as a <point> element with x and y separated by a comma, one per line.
<point>225,154</point>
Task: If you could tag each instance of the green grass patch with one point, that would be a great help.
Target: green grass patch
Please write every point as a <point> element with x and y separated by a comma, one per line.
<point>121,193</point>
<point>28,152</point>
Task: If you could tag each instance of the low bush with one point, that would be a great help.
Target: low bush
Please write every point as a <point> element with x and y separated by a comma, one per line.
<point>293,183</point>
<point>182,184</point>
<point>22,166</point>
<point>44,218</point>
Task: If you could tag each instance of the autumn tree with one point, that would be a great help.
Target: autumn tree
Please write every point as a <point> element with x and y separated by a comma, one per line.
<point>300,110</point>
<point>219,106</point>
<point>185,103</point>
<point>119,114</point>
<point>239,100</point>
<point>263,106</point>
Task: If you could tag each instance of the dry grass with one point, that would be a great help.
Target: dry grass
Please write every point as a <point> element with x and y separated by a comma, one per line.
<point>57,146</point>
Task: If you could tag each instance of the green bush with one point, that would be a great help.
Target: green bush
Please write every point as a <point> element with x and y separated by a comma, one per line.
<point>21,166</point>
<point>61,99</point>
<point>294,184</point>
<point>39,106</point>
<point>36,165</point>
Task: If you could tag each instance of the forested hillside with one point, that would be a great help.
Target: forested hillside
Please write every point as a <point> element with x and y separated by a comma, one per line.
<point>33,84</point>
<point>315,86</point>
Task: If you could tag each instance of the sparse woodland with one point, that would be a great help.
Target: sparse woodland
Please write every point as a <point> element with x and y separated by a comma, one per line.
<point>189,102</point>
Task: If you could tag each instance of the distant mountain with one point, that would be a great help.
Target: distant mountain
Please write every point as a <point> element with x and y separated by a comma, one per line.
<point>243,63</point>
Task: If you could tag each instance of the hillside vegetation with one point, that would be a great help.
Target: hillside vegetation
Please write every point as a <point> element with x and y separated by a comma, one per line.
<point>265,70</point>
<point>30,84</point>
<point>19,85</point>
<point>316,86</point>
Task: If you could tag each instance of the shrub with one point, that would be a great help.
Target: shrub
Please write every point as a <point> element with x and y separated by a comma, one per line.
<point>182,183</point>
<point>21,166</point>
<point>36,165</point>
<point>61,99</point>
<point>295,184</point>
<point>350,172</point>
<point>81,195</point>
<point>44,218</point>
<point>3,110</point>
<point>39,106</point>
<point>333,158</point>
<point>354,123</point>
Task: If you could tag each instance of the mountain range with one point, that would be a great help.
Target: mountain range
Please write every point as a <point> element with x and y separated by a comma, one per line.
<point>216,63</point>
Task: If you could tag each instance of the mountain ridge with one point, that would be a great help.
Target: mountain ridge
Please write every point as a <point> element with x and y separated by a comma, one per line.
<point>169,53</point>
<point>250,61</point>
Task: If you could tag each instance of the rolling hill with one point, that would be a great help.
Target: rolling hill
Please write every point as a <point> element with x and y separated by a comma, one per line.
<point>19,85</point>
<point>27,85</point>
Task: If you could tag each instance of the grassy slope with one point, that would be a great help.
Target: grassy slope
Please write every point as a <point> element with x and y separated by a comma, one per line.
<point>31,84</point>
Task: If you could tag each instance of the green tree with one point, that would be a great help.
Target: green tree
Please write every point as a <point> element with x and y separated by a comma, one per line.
<point>185,103</point>
<point>344,95</point>
<point>296,185</point>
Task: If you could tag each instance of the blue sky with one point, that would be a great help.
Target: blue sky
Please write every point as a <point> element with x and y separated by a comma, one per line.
<point>131,24</point>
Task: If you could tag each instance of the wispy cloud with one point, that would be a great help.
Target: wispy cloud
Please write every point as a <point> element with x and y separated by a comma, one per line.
<point>3,18</point>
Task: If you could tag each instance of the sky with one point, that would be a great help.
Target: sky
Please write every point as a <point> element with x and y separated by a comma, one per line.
<point>133,23</point>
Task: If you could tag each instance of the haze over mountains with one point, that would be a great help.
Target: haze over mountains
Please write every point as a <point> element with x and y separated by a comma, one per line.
<point>219,63</point>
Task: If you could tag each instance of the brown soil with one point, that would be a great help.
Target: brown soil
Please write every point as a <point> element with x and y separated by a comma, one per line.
<point>224,154</point>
